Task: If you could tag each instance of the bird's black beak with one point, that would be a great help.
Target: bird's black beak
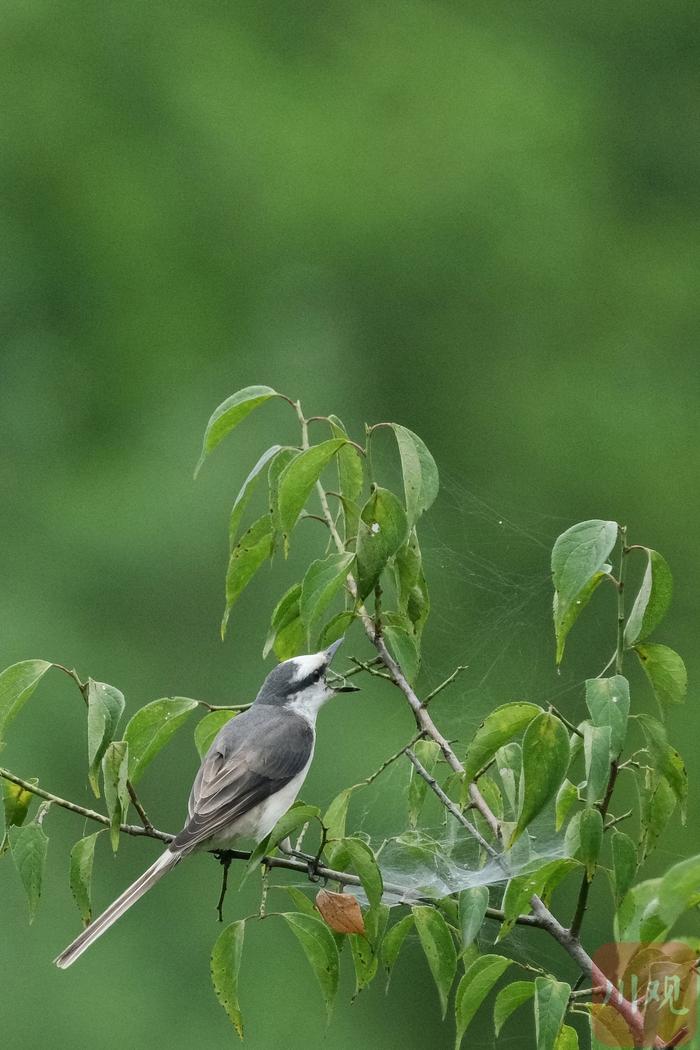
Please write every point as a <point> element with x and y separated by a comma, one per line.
<point>342,686</point>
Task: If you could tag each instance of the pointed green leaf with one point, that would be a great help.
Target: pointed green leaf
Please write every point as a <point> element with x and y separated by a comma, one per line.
<point>665,670</point>
<point>608,700</point>
<point>356,854</point>
<point>624,858</point>
<point>567,613</point>
<point>324,579</point>
<point>383,528</point>
<point>29,845</point>
<point>105,707</point>
<point>567,795</point>
<point>666,759</point>
<point>436,941</point>
<point>393,942</point>
<point>16,801</point>
<point>509,999</point>
<point>403,645</point>
<point>334,820</point>
<point>225,966</point>
<point>277,467</point>
<point>301,901</point>
<point>596,749</point>
<point>151,728</point>
<point>292,820</point>
<point>350,477</point>
<point>335,628</point>
<point>229,414</point>
<point>652,601</point>
<point>579,555</point>
<point>366,949</point>
<point>551,1002</point>
<point>496,730</point>
<point>473,903</point>
<point>474,987</point>
<point>321,951</point>
<point>17,683</point>
<point>81,862</point>
<point>286,635</point>
<point>251,551</point>
<point>679,889</point>
<point>658,803</point>
<point>545,762</point>
<point>640,907</point>
<point>427,752</point>
<point>299,477</point>
<point>590,839</point>
<point>208,728</point>
<point>542,880</point>
<point>567,1039</point>
<point>115,769</point>
<point>421,480</point>
<point>243,498</point>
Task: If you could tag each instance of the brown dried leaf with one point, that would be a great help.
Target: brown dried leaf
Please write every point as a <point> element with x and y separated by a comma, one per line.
<point>340,911</point>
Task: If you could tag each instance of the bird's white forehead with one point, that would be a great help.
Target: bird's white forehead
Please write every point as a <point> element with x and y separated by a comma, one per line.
<point>306,665</point>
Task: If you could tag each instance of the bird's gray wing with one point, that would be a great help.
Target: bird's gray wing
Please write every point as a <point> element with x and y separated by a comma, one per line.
<point>253,757</point>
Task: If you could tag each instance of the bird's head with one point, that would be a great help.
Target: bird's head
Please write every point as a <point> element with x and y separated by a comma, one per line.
<point>304,683</point>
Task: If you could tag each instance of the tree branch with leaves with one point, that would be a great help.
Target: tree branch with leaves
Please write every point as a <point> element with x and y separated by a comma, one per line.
<point>527,768</point>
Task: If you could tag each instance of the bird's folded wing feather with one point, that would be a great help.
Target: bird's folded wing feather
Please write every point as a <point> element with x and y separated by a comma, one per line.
<point>252,758</point>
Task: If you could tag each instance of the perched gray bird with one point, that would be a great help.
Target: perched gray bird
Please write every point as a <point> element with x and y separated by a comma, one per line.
<point>249,777</point>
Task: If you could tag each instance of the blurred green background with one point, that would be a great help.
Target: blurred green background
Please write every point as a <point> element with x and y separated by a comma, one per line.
<point>480,220</point>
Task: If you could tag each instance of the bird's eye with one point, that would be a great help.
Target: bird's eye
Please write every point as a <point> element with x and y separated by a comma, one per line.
<point>316,675</point>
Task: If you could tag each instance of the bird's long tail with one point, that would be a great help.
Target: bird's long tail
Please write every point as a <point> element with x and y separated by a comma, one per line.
<point>102,923</point>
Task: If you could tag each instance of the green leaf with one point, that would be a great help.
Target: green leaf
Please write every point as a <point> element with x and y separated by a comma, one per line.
<point>299,477</point>
<point>438,946</point>
<point>383,528</point>
<point>578,557</point>
<point>403,645</point>
<point>679,889</point>
<point>474,987</point>
<point>335,629</point>
<point>225,966</point>
<point>243,498</point>
<point>301,901</point>
<point>640,909</point>
<point>496,730</point>
<point>624,858</point>
<point>567,795</point>
<point>208,727</point>
<point>596,749</point>
<point>393,942</point>
<point>421,480</point>
<point>608,700</point>
<point>567,1039</point>
<point>229,414</point>
<point>349,462</point>
<point>366,949</point>
<point>29,845</point>
<point>286,635</point>
<point>658,802</point>
<point>276,469</point>
<point>321,951</point>
<point>17,683</point>
<point>665,670</point>
<point>105,707</point>
<point>473,903</point>
<point>151,728</point>
<point>545,762</point>
<point>566,615</point>
<point>411,587</point>
<point>16,802</point>
<point>115,769</point>
<point>652,601</point>
<point>81,860</point>
<point>590,839</point>
<point>541,880</point>
<point>294,818</point>
<point>551,1002</point>
<point>509,999</point>
<point>666,759</point>
<point>427,752</point>
<point>359,856</point>
<point>334,820</point>
<point>251,551</point>
<point>324,579</point>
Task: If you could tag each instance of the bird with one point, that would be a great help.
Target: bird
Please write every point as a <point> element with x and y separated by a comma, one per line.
<point>248,779</point>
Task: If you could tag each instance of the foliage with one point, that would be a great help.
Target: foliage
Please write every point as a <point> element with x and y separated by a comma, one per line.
<point>525,768</point>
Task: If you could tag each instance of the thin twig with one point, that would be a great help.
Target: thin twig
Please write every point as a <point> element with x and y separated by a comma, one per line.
<point>569,725</point>
<point>443,685</point>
